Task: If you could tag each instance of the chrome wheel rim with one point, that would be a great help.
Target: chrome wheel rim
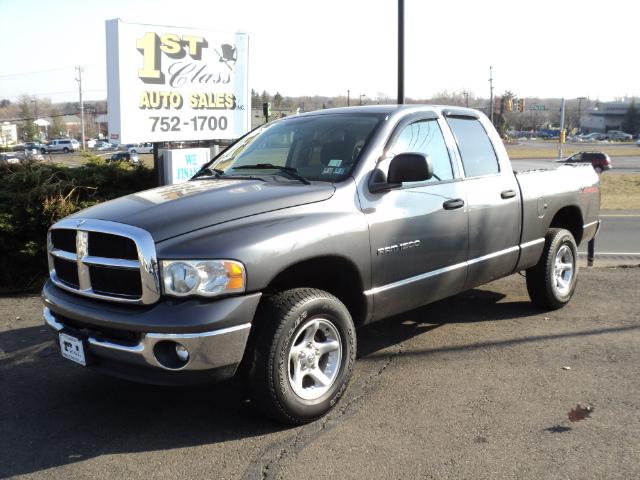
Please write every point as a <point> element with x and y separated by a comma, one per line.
<point>563,270</point>
<point>314,358</point>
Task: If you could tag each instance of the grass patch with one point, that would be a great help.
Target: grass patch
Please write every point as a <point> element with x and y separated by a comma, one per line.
<point>620,192</point>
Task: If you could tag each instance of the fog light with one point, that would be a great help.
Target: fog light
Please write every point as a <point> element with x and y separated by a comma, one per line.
<point>182,352</point>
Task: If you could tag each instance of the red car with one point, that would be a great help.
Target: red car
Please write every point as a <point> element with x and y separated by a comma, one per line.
<point>600,161</point>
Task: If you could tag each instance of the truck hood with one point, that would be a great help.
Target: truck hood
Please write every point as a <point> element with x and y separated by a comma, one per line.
<point>172,210</point>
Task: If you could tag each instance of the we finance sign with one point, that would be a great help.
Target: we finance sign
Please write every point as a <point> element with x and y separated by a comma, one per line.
<point>172,83</point>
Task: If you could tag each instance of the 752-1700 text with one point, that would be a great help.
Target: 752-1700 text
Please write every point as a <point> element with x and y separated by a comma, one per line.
<point>199,123</point>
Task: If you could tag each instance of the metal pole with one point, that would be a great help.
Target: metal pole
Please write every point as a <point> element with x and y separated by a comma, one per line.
<point>79,79</point>
<point>348,97</point>
<point>400,52</point>
<point>561,130</point>
<point>491,91</point>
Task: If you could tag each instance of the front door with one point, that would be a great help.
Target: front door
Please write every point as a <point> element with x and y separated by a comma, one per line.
<point>419,233</point>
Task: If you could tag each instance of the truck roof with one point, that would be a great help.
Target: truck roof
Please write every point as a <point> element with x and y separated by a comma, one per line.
<point>389,109</point>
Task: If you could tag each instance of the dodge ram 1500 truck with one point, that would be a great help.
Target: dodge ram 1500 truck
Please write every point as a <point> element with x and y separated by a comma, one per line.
<point>265,263</point>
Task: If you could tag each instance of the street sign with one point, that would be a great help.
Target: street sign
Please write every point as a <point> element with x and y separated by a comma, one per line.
<point>537,106</point>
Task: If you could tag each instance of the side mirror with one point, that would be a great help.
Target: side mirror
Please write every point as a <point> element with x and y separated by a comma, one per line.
<point>405,167</point>
<point>410,167</point>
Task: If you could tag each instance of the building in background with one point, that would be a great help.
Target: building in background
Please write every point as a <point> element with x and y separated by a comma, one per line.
<point>606,116</point>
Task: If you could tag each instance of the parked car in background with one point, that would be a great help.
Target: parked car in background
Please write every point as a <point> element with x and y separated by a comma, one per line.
<point>64,145</point>
<point>102,145</point>
<point>34,146</point>
<point>91,143</point>
<point>124,157</point>
<point>600,161</point>
<point>591,137</point>
<point>8,158</point>
<point>619,135</point>
<point>140,148</point>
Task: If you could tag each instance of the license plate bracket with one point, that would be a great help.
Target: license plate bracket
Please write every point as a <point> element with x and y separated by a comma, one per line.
<point>73,347</point>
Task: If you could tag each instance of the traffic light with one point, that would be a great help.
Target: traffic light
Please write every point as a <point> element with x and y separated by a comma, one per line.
<point>521,105</point>
<point>508,105</point>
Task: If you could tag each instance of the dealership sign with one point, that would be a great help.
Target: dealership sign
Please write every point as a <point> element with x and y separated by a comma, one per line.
<point>171,84</point>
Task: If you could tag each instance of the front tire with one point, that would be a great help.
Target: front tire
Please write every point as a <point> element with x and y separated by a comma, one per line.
<point>552,282</point>
<point>303,350</point>
<point>65,150</point>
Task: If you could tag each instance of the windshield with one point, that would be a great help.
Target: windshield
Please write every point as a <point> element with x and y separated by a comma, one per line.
<point>320,147</point>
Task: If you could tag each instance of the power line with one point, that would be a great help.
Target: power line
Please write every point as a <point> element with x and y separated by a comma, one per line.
<point>20,74</point>
<point>24,119</point>
<point>44,94</point>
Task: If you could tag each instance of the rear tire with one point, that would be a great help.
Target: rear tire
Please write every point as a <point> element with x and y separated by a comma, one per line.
<point>302,353</point>
<point>598,169</point>
<point>552,282</point>
<point>65,150</point>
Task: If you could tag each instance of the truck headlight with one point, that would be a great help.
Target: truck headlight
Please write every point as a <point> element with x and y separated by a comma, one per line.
<point>206,278</point>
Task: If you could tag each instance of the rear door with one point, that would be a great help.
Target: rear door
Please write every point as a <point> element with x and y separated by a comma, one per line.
<point>418,232</point>
<point>493,199</point>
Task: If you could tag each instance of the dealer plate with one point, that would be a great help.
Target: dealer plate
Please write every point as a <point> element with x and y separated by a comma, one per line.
<point>72,349</point>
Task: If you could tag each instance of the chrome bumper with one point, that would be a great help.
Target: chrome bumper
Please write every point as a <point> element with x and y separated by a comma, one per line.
<point>207,350</point>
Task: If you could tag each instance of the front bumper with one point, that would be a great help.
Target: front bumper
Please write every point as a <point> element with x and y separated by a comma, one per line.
<point>133,342</point>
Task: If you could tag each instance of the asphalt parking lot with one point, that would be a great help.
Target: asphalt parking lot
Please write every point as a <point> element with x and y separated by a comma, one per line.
<point>477,386</point>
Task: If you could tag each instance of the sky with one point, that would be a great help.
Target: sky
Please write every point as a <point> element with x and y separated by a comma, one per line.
<point>544,48</point>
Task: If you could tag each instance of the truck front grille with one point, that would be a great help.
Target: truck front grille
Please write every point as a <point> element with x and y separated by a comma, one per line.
<point>105,260</point>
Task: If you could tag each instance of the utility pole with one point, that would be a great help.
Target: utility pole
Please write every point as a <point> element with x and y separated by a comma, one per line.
<point>562,134</point>
<point>491,91</point>
<point>466,97</point>
<point>79,80</point>
<point>400,52</point>
<point>348,98</point>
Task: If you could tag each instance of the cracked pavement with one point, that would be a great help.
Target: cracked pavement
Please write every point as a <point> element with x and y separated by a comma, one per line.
<point>476,386</point>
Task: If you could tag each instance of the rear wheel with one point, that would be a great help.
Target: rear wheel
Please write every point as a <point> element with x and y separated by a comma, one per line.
<point>552,282</point>
<point>303,349</point>
<point>65,150</point>
<point>598,169</point>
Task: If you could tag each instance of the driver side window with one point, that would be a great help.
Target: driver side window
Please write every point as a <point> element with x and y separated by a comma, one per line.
<point>424,137</point>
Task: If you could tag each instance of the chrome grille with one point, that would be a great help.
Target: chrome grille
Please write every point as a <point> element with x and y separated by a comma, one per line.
<point>109,260</point>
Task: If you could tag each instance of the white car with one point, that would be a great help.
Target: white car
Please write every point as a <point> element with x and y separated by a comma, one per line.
<point>140,148</point>
<point>64,145</point>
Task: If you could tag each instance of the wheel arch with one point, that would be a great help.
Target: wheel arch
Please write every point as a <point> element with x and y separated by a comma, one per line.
<point>570,218</point>
<point>333,273</point>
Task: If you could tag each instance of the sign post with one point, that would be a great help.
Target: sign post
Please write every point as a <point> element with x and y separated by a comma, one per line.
<point>173,84</point>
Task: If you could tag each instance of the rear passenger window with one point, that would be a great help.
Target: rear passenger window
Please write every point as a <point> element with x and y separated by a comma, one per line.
<point>476,150</point>
<point>425,137</point>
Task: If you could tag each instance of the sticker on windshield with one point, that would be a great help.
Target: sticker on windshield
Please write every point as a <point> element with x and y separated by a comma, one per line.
<point>327,171</point>
<point>339,171</point>
<point>335,163</point>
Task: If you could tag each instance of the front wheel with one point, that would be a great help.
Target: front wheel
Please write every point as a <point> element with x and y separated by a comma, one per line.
<point>552,282</point>
<point>303,351</point>
<point>65,150</point>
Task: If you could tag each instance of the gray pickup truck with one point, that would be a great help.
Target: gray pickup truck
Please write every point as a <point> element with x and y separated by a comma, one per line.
<point>265,263</point>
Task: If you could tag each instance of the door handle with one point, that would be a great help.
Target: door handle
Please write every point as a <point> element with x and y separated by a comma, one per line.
<point>453,204</point>
<point>508,194</point>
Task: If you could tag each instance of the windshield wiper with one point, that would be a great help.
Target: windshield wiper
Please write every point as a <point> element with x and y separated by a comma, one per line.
<point>208,171</point>
<point>291,171</point>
